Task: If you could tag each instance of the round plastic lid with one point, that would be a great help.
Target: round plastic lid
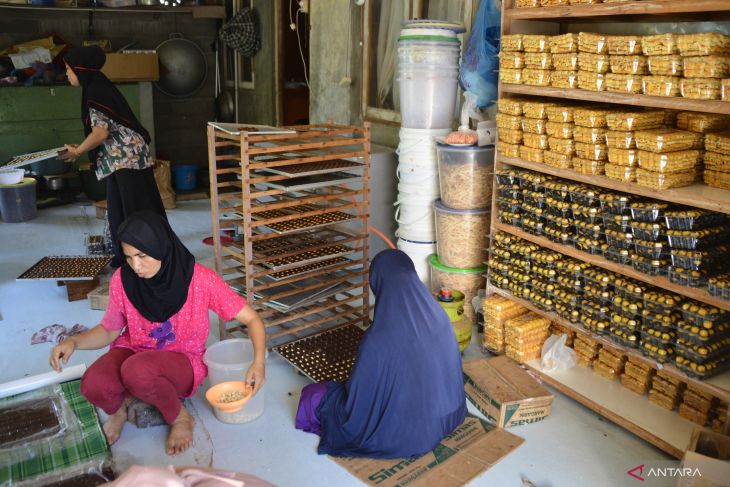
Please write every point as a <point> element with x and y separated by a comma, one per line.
<point>436,263</point>
<point>432,38</point>
<point>439,206</point>
<point>459,148</point>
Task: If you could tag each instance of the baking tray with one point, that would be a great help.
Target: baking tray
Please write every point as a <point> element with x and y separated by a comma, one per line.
<point>322,264</point>
<point>31,157</point>
<point>307,257</point>
<point>314,168</point>
<point>310,222</point>
<point>252,129</point>
<point>314,182</point>
<point>292,210</point>
<point>326,356</point>
<point>66,268</point>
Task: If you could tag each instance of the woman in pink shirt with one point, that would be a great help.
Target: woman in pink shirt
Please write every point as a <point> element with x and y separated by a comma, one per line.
<point>157,324</point>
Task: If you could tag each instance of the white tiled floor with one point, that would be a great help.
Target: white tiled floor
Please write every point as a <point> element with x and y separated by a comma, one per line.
<point>573,447</point>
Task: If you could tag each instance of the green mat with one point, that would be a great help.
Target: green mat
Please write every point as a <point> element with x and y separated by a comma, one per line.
<point>91,445</point>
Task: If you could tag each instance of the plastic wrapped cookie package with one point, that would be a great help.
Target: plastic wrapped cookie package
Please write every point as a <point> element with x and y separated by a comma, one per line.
<point>588,167</point>
<point>657,180</point>
<point>668,65</point>
<point>629,65</point>
<point>624,83</point>
<point>718,142</point>
<point>661,85</point>
<point>591,81</point>
<point>536,77</point>
<point>526,3</point>
<point>511,60</point>
<point>620,173</point>
<point>594,63</point>
<point>701,88</point>
<point>592,117</point>
<point>659,45</point>
<point>703,44</point>
<point>560,130</point>
<point>588,135</point>
<point>725,90</point>
<point>557,160</point>
<point>535,43</point>
<point>538,60</point>
<point>511,122</point>
<point>702,122</point>
<point>717,179</point>
<point>535,141</point>
<point>717,162</point>
<point>596,152</point>
<point>668,140</point>
<point>510,136</point>
<point>618,139</point>
<point>670,162</point>
<point>706,67</point>
<point>624,45</point>
<point>564,79</point>
<point>562,146</point>
<point>635,120</point>
<point>510,106</point>
<point>593,43</point>
<point>512,43</point>
<point>562,44</point>
<point>531,155</point>
<point>623,157</point>
<point>537,108</point>
<point>508,150</point>
<point>511,76</point>
<point>534,125</point>
<point>566,61</point>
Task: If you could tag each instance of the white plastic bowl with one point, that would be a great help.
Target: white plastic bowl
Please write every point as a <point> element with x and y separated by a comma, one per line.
<point>11,176</point>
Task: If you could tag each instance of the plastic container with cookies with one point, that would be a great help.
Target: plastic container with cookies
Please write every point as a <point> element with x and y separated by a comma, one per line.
<point>591,81</point>
<point>659,45</point>
<point>462,236</point>
<point>697,239</point>
<point>670,65</point>
<point>511,60</point>
<point>703,44</point>
<point>706,67</point>
<point>624,83</point>
<point>620,256</point>
<point>657,180</point>
<point>649,249</point>
<point>618,223</point>
<point>651,267</point>
<point>648,211</point>
<point>692,219</point>
<point>624,45</point>
<point>699,259</point>
<point>623,157</point>
<point>565,43</point>
<point>667,140</point>
<point>619,239</point>
<point>620,139</point>
<point>592,43</point>
<point>616,203</point>
<point>700,88</point>
<point>661,85</point>
<point>635,120</point>
<point>511,42</point>
<point>620,173</point>
<point>535,141</point>
<point>687,277</point>
<point>628,65</point>
<point>510,136</point>
<point>719,286</point>
<point>648,231</point>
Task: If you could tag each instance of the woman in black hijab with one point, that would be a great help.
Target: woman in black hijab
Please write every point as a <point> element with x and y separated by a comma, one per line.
<point>156,324</point>
<point>116,142</point>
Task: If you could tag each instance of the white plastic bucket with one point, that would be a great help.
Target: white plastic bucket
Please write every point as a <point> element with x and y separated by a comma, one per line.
<point>419,174</point>
<point>414,212</point>
<point>425,54</point>
<point>425,31</point>
<point>418,146</point>
<point>419,254</point>
<point>228,360</point>
<point>427,98</point>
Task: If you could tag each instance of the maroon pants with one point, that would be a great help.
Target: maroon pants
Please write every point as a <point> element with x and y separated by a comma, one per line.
<point>155,377</point>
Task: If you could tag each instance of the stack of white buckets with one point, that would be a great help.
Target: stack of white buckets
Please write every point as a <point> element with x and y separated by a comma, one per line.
<point>428,68</point>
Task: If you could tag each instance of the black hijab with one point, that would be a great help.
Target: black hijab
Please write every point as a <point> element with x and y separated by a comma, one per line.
<point>99,93</point>
<point>163,295</point>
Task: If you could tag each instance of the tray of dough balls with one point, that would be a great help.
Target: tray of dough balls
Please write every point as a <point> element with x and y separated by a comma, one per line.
<point>66,268</point>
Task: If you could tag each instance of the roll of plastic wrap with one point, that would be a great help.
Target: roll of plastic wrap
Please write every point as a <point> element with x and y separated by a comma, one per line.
<point>37,381</point>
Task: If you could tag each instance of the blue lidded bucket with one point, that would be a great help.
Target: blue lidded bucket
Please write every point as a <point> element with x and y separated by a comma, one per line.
<point>18,202</point>
<point>186,177</point>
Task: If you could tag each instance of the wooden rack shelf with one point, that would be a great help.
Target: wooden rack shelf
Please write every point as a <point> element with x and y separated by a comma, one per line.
<point>327,225</point>
<point>198,12</point>
<point>626,10</point>
<point>673,103</point>
<point>719,385</point>
<point>658,281</point>
<point>697,195</point>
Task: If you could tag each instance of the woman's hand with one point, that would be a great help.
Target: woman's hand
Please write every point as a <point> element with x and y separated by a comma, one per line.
<point>61,353</point>
<point>256,376</point>
<point>70,154</point>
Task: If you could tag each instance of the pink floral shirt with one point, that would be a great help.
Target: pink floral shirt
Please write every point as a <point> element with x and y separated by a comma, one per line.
<point>190,325</point>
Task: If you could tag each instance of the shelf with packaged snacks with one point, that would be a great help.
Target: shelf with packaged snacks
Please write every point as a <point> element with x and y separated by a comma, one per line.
<point>627,10</point>
<point>697,195</point>
<point>718,385</point>
<point>599,261</point>
<point>197,11</point>
<point>673,103</point>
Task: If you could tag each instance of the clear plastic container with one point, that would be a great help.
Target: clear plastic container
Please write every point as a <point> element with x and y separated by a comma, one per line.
<point>691,219</point>
<point>697,239</point>
<point>465,176</point>
<point>649,249</point>
<point>461,235</point>
<point>648,211</point>
<point>616,203</point>
<point>648,231</point>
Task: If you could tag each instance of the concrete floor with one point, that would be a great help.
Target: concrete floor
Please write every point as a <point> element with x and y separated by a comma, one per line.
<point>572,447</point>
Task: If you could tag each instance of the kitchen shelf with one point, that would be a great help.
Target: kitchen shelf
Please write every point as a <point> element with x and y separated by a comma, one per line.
<point>718,386</point>
<point>658,281</point>
<point>636,11</point>
<point>198,12</point>
<point>673,103</point>
<point>697,195</point>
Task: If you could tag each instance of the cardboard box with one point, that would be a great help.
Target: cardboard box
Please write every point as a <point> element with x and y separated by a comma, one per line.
<point>706,461</point>
<point>100,209</point>
<point>99,297</point>
<point>505,393</point>
<point>132,67</point>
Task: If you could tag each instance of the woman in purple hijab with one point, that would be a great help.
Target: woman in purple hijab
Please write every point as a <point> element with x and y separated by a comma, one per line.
<point>406,391</point>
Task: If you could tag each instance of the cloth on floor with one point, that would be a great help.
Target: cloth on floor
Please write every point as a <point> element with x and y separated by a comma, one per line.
<point>141,476</point>
<point>56,333</point>
<point>406,391</point>
<point>143,415</point>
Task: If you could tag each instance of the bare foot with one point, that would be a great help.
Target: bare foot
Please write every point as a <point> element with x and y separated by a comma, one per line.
<point>113,426</point>
<point>180,437</point>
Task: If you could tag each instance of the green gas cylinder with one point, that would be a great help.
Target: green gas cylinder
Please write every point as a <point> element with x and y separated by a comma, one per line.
<point>453,303</point>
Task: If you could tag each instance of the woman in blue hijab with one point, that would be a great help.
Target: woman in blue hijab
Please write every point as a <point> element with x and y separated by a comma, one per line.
<point>406,391</point>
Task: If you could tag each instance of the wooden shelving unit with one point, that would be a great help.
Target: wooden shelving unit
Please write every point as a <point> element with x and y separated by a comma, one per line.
<point>671,102</point>
<point>697,195</point>
<point>304,244</point>
<point>198,12</point>
<point>665,429</point>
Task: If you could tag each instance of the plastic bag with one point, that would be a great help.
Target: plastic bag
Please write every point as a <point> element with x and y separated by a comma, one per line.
<point>478,70</point>
<point>556,356</point>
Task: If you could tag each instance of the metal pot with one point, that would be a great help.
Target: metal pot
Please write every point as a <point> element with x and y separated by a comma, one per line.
<point>54,184</point>
<point>183,67</point>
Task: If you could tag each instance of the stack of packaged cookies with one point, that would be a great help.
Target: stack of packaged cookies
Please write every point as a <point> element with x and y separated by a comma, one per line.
<point>717,160</point>
<point>586,349</point>
<point>666,390</point>
<point>497,310</point>
<point>525,336</point>
<point>637,376</point>
<point>610,364</point>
